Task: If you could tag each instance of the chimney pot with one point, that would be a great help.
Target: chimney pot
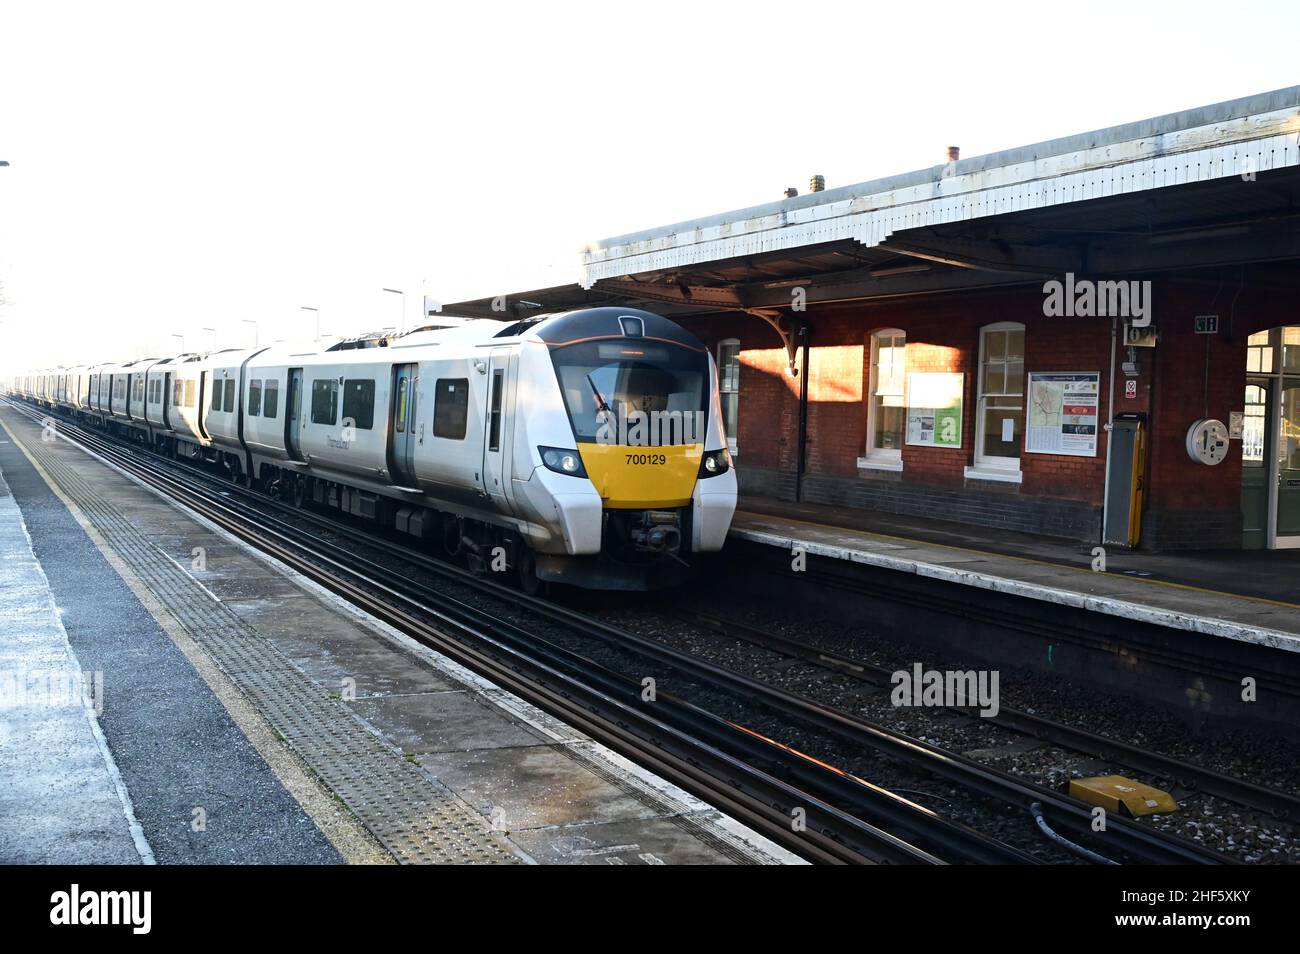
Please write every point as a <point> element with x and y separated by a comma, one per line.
<point>817,184</point>
<point>791,192</point>
<point>954,153</point>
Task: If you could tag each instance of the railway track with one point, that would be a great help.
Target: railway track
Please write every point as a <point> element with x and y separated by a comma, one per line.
<point>758,779</point>
<point>1197,778</point>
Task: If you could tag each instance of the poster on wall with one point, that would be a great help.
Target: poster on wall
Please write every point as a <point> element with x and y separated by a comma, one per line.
<point>1064,413</point>
<point>934,408</point>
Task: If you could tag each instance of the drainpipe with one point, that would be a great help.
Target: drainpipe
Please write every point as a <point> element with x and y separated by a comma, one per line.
<point>801,464</point>
<point>1110,425</point>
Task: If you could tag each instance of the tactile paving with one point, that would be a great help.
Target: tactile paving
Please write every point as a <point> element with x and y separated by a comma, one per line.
<point>415,818</point>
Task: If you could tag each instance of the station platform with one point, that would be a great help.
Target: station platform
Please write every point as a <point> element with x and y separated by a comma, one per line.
<point>1251,596</point>
<point>246,715</point>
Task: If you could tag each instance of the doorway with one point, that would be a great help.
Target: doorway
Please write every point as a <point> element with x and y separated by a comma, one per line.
<point>1270,476</point>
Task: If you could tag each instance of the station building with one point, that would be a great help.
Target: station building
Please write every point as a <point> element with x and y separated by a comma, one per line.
<point>954,343</point>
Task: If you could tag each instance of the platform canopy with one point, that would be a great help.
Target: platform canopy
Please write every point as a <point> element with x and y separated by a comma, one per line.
<point>1217,185</point>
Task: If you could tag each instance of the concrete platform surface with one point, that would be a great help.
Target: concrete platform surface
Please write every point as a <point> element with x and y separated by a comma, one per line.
<point>61,796</point>
<point>1224,595</point>
<point>377,744</point>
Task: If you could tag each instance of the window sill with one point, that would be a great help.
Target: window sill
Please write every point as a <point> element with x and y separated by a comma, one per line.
<point>989,473</point>
<point>871,463</point>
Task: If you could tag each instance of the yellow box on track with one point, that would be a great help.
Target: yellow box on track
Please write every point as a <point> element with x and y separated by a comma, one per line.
<point>1115,793</point>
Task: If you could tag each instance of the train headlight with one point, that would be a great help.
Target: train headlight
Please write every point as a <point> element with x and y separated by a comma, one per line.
<point>562,461</point>
<point>715,463</point>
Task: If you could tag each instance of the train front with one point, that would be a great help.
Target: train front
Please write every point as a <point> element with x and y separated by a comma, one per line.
<point>630,446</point>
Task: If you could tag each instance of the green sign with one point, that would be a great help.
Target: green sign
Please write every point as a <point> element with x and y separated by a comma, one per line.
<point>934,408</point>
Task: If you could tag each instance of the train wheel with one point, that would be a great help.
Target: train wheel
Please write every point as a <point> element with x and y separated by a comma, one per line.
<point>526,573</point>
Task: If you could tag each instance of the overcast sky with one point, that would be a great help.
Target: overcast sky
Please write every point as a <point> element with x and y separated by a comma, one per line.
<point>184,166</point>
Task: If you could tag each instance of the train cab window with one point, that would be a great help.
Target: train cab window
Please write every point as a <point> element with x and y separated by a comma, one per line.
<point>451,408</point>
<point>217,388</point>
<point>271,398</point>
<point>359,403</point>
<point>254,398</point>
<point>324,401</point>
<point>228,404</point>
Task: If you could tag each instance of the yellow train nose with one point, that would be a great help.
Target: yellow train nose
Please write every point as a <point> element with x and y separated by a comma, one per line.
<point>630,478</point>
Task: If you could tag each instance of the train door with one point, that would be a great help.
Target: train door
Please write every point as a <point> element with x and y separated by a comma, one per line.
<point>168,398</point>
<point>495,452</point>
<point>406,436</point>
<point>293,415</point>
<point>201,409</point>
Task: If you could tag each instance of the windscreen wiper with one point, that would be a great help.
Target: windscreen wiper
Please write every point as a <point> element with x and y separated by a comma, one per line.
<point>600,398</point>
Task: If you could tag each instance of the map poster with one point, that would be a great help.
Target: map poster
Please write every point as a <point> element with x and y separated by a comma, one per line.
<point>1064,413</point>
<point>934,408</point>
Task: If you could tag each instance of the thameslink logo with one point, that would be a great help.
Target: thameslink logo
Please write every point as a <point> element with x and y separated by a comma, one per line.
<point>649,428</point>
<point>74,906</point>
<point>952,688</point>
<point>1085,298</point>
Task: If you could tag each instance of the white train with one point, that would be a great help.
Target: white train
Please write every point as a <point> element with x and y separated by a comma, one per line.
<point>583,447</point>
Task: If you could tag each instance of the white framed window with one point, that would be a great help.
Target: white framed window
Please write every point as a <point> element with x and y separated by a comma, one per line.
<point>729,387</point>
<point>886,400</point>
<point>1000,408</point>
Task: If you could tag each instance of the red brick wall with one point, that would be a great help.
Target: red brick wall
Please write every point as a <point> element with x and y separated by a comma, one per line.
<point>1180,374</point>
<point>943,335</point>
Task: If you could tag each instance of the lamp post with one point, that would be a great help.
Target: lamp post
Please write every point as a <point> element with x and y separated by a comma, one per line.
<point>214,337</point>
<point>182,337</point>
<point>250,321</point>
<point>397,291</point>
<point>317,310</point>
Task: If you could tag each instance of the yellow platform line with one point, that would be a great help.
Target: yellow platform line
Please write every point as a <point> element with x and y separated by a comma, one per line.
<point>1021,559</point>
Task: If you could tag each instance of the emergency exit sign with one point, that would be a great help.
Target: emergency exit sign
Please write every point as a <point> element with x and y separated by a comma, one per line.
<point>1207,324</point>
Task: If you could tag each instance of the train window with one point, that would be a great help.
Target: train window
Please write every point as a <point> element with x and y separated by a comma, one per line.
<point>178,393</point>
<point>451,408</point>
<point>217,388</point>
<point>494,419</point>
<point>228,404</point>
<point>254,398</point>
<point>271,398</point>
<point>324,401</point>
<point>359,403</point>
<point>189,394</point>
